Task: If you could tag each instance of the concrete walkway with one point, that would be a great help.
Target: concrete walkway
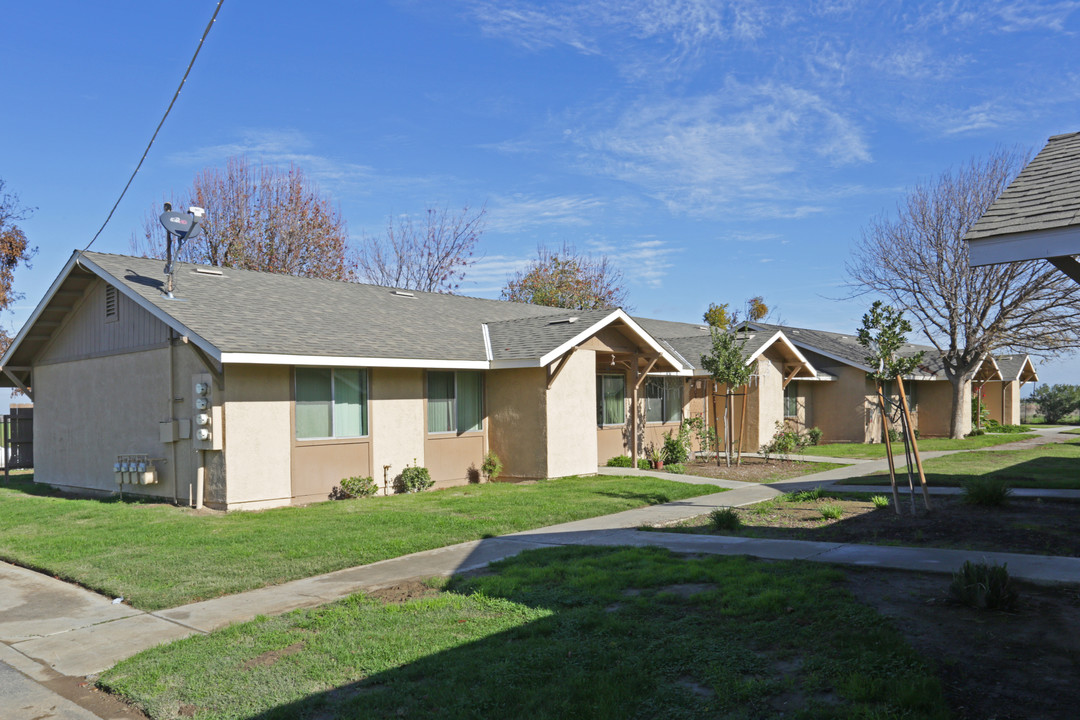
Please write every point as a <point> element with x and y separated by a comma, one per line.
<point>49,628</point>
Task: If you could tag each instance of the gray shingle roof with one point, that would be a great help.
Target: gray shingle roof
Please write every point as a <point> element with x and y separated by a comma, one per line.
<point>253,312</point>
<point>535,336</point>
<point>1045,195</point>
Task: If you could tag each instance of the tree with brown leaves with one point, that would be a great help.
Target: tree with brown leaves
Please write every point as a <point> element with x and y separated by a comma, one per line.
<point>919,261</point>
<point>432,256</point>
<point>568,279</point>
<point>13,251</point>
<point>258,217</point>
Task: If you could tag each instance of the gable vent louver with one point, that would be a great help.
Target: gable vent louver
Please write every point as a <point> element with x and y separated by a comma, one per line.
<point>112,304</point>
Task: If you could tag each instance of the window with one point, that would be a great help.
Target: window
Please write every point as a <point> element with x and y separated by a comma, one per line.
<point>663,399</point>
<point>611,400</point>
<point>112,304</point>
<point>455,402</point>
<point>791,400</point>
<point>331,402</point>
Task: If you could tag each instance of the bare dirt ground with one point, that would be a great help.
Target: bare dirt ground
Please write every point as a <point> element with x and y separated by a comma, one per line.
<point>753,469</point>
<point>1004,666</point>
<point>1040,527</point>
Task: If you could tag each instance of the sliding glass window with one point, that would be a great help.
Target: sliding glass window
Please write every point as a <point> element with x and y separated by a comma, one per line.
<point>663,400</point>
<point>455,402</point>
<point>610,400</point>
<point>331,402</point>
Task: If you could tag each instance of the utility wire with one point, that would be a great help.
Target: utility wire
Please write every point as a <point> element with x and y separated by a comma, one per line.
<point>158,129</point>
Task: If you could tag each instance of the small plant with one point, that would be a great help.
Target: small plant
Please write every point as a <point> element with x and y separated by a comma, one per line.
<point>414,478</point>
<point>987,491</point>
<point>814,435</point>
<point>976,432</point>
<point>894,435</point>
<point>643,464</point>
<point>676,447</point>
<point>831,512</point>
<point>784,442</point>
<point>656,457</point>
<point>725,518</point>
<point>880,501</point>
<point>984,587</point>
<point>492,466</point>
<point>812,495</point>
<point>677,468</point>
<point>354,487</point>
<point>620,461</point>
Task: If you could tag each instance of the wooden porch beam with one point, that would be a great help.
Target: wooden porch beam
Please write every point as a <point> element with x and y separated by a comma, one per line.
<point>1068,265</point>
<point>791,377</point>
<point>559,367</point>
<point>648,367</point>
<point>23,388</point>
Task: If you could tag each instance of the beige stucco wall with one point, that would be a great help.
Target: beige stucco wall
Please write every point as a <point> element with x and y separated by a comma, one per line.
<point>258,435</point>
<point>570,414</point>
<point>845,408</point>
<point>397,423</point>
<point>935,408</point>
<point>517,413</point>
<point>1002,399</point>
<point>89,411</point>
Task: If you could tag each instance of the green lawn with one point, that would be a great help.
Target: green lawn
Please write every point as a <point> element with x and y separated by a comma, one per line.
<point>558,633</point>
<point>1072,431</point>
<point>1053,466</point>
<point>877,450</point>
<point>159,556</point>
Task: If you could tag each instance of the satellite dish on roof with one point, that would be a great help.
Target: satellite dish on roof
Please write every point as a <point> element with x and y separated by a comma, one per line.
<point>183,226</point>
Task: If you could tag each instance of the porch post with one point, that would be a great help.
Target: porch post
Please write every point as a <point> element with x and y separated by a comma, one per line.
<point>633,414</point>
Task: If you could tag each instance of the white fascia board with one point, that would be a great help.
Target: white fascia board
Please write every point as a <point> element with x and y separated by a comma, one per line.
<point>487,342</point>
<point>350,361</point>
<point>596,327</point>
<point>39,309</point>
<point>207,347</point>
<point>1027,362</point>
<point>823,353</point>
<point>779,336</point>
<point>1030,245</point>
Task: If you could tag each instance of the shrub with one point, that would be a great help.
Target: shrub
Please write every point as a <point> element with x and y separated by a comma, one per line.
<point>814,435</point>
<point>1056,401</point>
<point>812,495</point>
<point>784,442</point>
<point>880,501</point>
<point>987,491</point>
<point>725,518</point>
<point>492,466</point>
<point>677,468</point>
<point>894,435</point>
<point>620,461</point>
<point>414,478</point>
<point>976,432</point>
<point>984,587</point>
<point>831,512</point>
<point>354,487</point>
<point>676,447</point>
<point>643,464</point>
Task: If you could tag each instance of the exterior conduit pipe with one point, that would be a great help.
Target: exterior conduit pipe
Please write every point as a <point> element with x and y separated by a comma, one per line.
<point>200,477</point>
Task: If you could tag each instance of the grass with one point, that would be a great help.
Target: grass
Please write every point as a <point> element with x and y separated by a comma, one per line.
<point>1073,431</point>
<point>557,633</point>
<point>1051,466</point>
<point>159,556</point>
<point>873,451</point>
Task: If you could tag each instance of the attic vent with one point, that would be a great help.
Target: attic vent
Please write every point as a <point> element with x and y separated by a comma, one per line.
<point>209,271</point>
<point>402,293</point>
<point>702,327</point>
<point>562,321</point>
<point>112,304</point>
<point>795,332</point>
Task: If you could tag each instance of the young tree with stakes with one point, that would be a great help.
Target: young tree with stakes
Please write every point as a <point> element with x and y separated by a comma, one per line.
<point>884,333</point>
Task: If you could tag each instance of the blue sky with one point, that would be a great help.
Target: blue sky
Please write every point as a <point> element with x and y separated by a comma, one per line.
<point>715,150</point>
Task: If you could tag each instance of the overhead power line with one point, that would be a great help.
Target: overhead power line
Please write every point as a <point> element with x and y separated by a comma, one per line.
<point>158,129</point>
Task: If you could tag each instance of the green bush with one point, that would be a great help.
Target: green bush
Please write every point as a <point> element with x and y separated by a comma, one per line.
<point>1056,401</point>
<point>880,501</point>
<point>492,466</point>
<point>811,495</point>
<point>677,468</point>
<point>984,587</point>
<point>354,487</point>
<point>894,435</point>
<point>643,464</point>
<point>785,442</point>
<point>814,435</point>
<point>414,478</point>
<point>620,461</point>
<point>725,518</point>
<point>976,432</point>
<point>987,491</point>
<point>676,447</point>
<point>995,427</point>
<point>831,512</point>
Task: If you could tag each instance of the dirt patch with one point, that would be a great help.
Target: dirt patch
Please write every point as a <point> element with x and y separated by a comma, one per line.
<point>1006,666</point>
<point>1040,527</point>
<point>402,592</point>
<point>272,656</point>
<point>754,469</point>
<point>86,695</point>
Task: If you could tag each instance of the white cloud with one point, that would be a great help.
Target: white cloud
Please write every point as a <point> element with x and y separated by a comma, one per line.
<point>645,261</point>
<point>488,274</point>
<point>518,212</point>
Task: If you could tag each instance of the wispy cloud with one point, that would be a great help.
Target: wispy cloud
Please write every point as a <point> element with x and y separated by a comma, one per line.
<point>645,261</point>
<point>488,274</point>
<point>516,213</point>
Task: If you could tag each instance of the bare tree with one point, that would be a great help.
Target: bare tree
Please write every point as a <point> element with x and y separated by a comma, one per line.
<point>13,251</point>
<point>258,217</point>
<point>432,257</point>
<point>919,261</point>
<point>568,279</point>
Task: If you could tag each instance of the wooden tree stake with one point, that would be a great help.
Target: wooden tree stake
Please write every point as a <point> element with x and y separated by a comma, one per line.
<point>888,447</point>
<point>914,442</point>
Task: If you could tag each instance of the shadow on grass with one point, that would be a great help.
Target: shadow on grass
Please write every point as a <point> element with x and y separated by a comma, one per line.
<point>22,482</point>
<point>570,632</point>
<point>644,497</point>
